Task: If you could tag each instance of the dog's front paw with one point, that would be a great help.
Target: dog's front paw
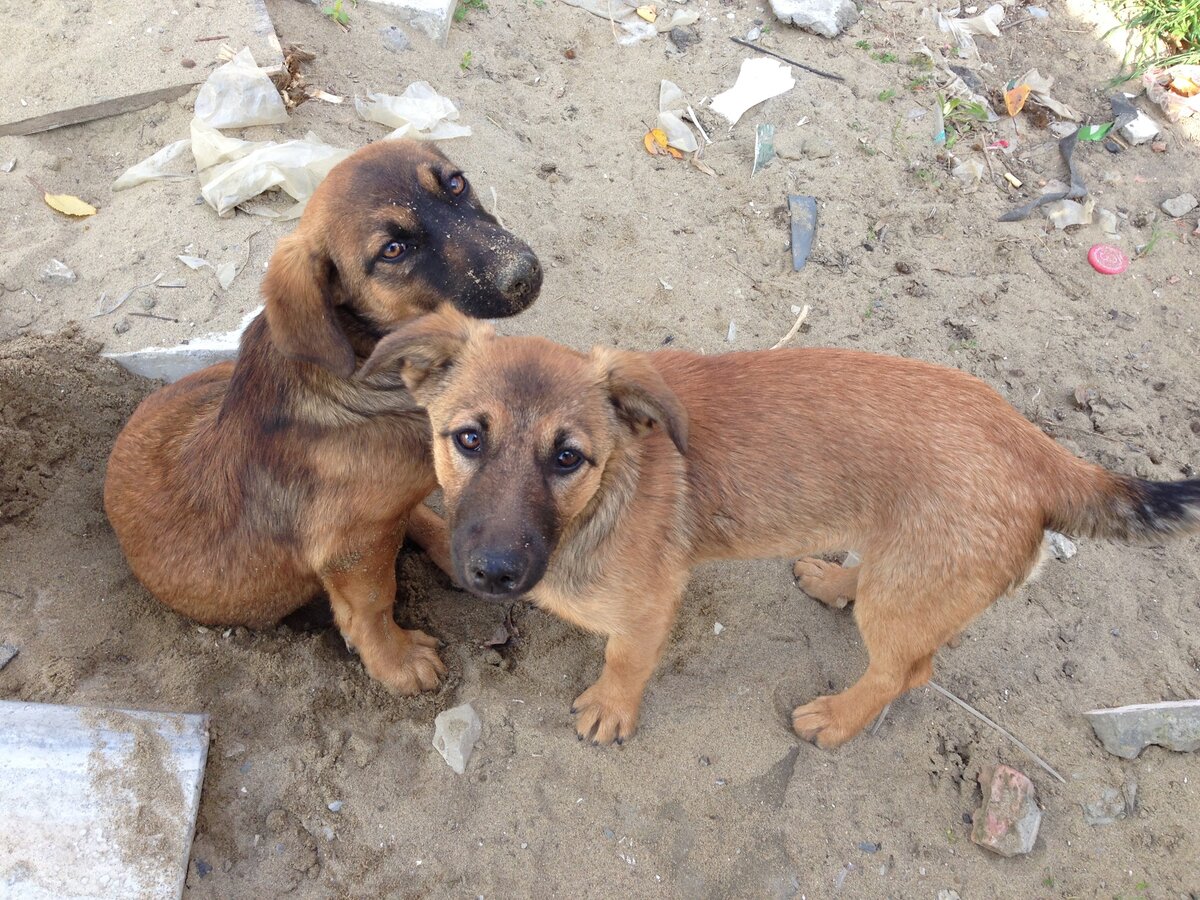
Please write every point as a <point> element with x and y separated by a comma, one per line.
<point>828,582</point>
<point>416,666</point>
<point>604,715</point>
<point>817,723</point>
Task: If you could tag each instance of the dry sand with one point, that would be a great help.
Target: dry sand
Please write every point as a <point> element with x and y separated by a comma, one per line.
<point>714,796</point>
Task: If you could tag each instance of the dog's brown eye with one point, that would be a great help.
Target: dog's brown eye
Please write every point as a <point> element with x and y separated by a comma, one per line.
<point>469,439</point>
<point>394,250</point>
<point>456,184</point>
<point>568,460</point>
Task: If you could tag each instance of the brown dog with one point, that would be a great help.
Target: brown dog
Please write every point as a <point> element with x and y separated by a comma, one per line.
<point>242,491</point>
<point>594,482</point>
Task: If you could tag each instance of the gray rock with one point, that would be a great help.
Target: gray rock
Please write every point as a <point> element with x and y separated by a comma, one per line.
<point>395,39</point>
<point>1106,810</point>
<point>1127,730</point>
<point>57,273</point>
<point>1007,821</point>
<point>1180,206</point>
<point>7,654</point>
<point>1061,546</point>
<point>828,18</point>
<point>335,806</point>
<point>454,735</point>
<point>683,36</point>
<point>948,895</point>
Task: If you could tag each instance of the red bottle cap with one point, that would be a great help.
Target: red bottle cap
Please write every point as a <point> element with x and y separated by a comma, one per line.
<point>1107,259</point>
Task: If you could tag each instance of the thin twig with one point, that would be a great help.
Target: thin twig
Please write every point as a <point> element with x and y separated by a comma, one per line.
<point>215,37</point>
<point>148,315</point>
<point>790,62</point>
<point>981,717</point>
<point>791,334</point>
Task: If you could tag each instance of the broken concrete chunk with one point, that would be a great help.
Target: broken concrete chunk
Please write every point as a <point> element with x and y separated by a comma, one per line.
<point>1060,545</point>
<point>395,39</point>
<point>828,18</point>
<point>57,273</point>
<point>1127,730</point>
<point>1140,130</point>
<point>172,363</point>
<point>1180,206</point>
<point>1008,819</point>
<point>455,732</point>
<point>430,16</point>
<point>7,654</point>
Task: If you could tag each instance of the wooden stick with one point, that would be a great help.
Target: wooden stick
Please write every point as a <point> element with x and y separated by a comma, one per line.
<point>791,334</point>
<point>981,717</point>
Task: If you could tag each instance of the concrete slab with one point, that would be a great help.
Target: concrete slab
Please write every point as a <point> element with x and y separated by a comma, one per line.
<point>97,802</point>
<point>71,61</point>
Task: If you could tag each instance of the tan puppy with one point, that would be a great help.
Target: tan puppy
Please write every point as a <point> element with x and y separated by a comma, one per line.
<point>594,482</point>
<point>242,491</point>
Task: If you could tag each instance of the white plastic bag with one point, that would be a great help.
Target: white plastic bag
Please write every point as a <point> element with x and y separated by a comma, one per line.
<point>420,112</point>
<point>154,167</point>
<point>240,94</point>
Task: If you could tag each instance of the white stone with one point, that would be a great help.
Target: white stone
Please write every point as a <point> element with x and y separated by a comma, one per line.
<point>1061,546</point>
<point>57,273</point>
<point>430,16</point>
<point>1140,130</point>
<point>455,732</point>
<point>1180,206</point>
<point>828,18</point>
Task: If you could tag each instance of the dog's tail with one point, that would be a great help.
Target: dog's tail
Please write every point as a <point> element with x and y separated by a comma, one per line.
<point>1091,501</point>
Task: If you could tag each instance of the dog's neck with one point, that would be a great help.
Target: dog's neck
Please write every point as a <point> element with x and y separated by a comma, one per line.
<point>275,390</point>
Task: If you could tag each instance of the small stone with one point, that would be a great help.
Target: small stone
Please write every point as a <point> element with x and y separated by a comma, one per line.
<point>947,894</point>
<point>395,39</point>
<point>7,654</point>
<point>683,36</point>
<point>1007,820</point>
<point>828,18</point>
<point>1159,146</point>
<point>335,806</point>
<point>718,628</point>
<point>1127,730</point>
<point>705,761</point>
<point>1106,810</point>
<point>904,268</point>
<point>57,273</point>
<point>122,326</point>
<point>454,736</point>
<point>1180,206</point>
<point>1060,545</point>
<point>188,63</point>
<point>816,148</point>
<point>869,846</point>
<point>8,165</point>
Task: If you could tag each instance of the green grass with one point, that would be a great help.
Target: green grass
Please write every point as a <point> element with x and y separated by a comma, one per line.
<point>1168,33</point>
<point>336,13</point>
<point>887,95</point>
<point>465,7</point>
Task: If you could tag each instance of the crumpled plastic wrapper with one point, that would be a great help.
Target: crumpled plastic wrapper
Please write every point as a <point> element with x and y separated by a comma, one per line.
<point>1039,93</point>
<point>420,112</point>
<point>155,167</point>
<point>964,30</point>
<point>239,94</point>
<point>672,106</point>
<point>246,170</point>
<point>1158,88</point>
<point>759,79</point>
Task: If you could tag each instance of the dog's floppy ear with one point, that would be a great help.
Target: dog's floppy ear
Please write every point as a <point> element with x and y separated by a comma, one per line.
<point>640,396</point>
<point>423,352</point>
<point>299,293</point>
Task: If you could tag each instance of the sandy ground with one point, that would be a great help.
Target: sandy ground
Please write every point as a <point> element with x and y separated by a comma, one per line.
<point>714,796</point>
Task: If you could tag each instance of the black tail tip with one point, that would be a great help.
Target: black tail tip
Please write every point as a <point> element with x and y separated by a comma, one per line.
<point>1164,506</point>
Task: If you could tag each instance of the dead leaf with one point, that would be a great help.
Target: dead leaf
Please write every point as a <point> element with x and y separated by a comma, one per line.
<point>1014,100</point>
<point>655,141</point>
<point>648,12</point>
<point>71,206</point>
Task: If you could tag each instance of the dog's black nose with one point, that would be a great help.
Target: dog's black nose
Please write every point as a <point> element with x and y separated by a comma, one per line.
<point>521,281</point>
<point>496,572</point>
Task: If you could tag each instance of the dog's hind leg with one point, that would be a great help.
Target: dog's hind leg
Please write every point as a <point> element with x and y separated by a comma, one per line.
<point>902,626</point>
<point>362,592</point>
<point>832,584</point>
